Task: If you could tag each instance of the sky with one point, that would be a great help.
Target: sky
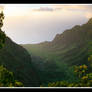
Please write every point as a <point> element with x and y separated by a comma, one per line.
<point>35,23</point>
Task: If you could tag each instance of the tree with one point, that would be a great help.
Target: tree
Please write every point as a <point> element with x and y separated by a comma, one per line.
<point>85,77</point>
<point>2,34</point>
<point>81,70</point>
<point>7,78</point>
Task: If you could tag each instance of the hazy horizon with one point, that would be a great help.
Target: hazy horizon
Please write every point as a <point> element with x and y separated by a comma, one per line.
<point>35,23</point>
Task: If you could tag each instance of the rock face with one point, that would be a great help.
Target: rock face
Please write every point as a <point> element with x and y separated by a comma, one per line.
<point>16,59</point>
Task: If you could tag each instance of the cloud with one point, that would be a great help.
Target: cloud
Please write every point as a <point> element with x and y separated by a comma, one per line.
<point>47,8</point>
<point>85,9</point>
<point>44,9</point>
<point>73,7</point>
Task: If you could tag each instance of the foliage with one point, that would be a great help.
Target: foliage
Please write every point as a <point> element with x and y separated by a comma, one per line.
<point>15,58</point>
<point>90,60</point>
<point>1,19</point>
<point>7,79</point>
<point>80,70</point>
<point>85,78</point>
<point>2,34</point>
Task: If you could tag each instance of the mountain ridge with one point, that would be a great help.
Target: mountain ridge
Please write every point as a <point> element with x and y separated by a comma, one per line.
<point>16,59</point>
<point>77,36</point>
<point>72,47</point>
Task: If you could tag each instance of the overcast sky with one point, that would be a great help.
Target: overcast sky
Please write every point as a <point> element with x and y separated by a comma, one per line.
<point>35,23</point>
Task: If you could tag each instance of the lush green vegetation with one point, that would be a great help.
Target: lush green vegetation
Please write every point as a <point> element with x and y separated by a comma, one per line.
<point>67,47</point>
<point>83,74</point>
<point>2,34</point>
<point>17,60</point>
<point>63,62</point>
<point>7,79</point>
<point>54,60</point>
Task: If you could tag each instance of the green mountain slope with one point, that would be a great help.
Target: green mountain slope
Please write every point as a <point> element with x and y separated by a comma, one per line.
<point>72,47</point>
<point>16,59</point>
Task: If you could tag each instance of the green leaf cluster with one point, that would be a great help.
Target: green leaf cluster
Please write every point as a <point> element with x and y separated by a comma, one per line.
<point>2,34</point>
<point>7,78</point>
